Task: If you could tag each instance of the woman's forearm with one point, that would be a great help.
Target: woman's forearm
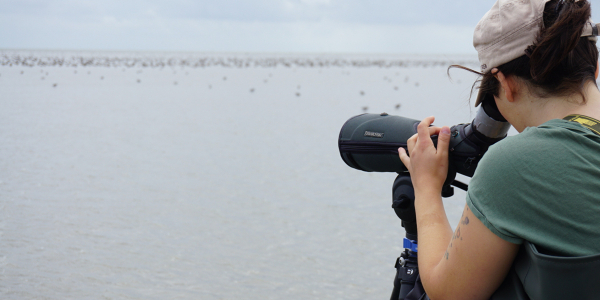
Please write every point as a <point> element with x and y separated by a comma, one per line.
<point>435,234</point>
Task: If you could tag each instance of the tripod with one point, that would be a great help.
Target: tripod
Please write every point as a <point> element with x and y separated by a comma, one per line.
<point>407,284</point>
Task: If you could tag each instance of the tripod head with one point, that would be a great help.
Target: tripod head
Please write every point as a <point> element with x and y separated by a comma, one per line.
<point>403,203</point>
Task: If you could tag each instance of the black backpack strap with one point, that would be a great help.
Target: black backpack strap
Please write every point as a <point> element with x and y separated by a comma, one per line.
<point>538,276</point>
<point>588,122</point>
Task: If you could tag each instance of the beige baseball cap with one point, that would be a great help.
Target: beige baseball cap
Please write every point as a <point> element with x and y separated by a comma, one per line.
<point>508,29</point>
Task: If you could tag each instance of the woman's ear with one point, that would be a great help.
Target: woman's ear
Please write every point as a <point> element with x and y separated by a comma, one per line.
<point>508,85</point>
<point>597,66</point>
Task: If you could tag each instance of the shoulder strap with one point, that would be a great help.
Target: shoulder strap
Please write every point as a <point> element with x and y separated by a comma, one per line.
<point>589,122</point>
<point>539,276</point>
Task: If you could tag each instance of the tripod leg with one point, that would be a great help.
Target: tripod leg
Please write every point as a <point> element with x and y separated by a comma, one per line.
<point>397,281</point>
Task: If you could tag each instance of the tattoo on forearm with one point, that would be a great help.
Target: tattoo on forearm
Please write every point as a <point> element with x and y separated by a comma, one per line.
<point>465,221</point>
<point>456,235</point>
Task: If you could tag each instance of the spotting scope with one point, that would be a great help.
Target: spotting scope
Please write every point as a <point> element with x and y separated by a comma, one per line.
<point>370,142</point>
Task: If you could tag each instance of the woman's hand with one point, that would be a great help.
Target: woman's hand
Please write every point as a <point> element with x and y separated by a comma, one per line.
<point>427,165</point>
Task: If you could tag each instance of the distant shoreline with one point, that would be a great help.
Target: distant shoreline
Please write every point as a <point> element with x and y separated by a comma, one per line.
<point>155,59</point>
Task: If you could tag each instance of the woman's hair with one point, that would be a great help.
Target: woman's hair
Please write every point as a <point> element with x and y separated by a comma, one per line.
<point>560,62</point>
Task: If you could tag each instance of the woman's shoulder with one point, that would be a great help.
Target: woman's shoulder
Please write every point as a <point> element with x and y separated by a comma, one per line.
<point>540,146</point>
<point>550,133</point>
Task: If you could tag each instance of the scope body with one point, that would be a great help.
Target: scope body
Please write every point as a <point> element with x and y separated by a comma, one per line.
<point>370,142</point>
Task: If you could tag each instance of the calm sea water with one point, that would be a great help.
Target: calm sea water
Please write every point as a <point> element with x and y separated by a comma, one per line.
<point>189,181</point>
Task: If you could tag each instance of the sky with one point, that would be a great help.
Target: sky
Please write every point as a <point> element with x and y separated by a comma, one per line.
<point>313,26</point>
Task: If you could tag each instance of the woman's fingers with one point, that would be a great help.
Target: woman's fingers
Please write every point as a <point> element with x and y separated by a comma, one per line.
<point>433,130</point>
<point>422,140</point>
<point>410,143</point>
<point>426,164</point>
<point>443,141</point>
<point>423,128</point>
<point>424,133</point>
<point>404,157</point>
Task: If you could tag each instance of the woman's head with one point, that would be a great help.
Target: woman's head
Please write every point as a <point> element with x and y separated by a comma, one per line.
<point>549,45</point>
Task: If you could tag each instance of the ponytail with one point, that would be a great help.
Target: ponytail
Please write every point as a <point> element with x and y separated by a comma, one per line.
<point>559,35</point>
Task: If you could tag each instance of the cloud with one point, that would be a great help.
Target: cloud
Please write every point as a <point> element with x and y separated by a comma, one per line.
<point>150,32</point>
<point>242,25</point>
<point>351,11</point>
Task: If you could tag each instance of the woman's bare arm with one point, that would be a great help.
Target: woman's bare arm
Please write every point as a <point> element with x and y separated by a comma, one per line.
<point>469,263</point>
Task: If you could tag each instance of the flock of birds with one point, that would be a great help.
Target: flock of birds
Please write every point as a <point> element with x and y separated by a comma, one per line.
<point>31,60</point>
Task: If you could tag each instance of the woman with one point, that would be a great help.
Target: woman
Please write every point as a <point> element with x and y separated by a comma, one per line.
<point>539,64</point>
